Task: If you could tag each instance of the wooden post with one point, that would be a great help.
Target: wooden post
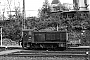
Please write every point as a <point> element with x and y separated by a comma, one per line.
<point>23,14</point>
<point>57,27</point>
<point>1,35</point>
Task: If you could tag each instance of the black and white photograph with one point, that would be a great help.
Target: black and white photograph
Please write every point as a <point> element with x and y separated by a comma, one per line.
<point>44,30</point>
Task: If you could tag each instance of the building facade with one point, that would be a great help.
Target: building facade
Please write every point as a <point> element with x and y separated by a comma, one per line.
<point>80,4</point>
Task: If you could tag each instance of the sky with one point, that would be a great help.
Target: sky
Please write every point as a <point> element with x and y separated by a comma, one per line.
<point>31,6</point>
<point>37,4</point>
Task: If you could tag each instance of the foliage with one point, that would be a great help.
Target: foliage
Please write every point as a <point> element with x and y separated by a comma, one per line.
<point>31,22</point>
<point>48,18</point>
<point>12,27</point>
<point>79,20</point>
<point>11,30</point>
<point>76,24</point>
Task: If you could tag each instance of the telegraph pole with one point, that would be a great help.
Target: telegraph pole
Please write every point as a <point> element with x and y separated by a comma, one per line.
<point>2,27</point>
<point>1,34</point>
<point>23,21</point>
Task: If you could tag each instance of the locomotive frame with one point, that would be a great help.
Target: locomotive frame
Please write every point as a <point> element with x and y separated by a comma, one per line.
<point>55,40</point>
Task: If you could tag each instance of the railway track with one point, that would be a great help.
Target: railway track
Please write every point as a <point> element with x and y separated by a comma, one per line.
<point>46,55</point>
<point>52,52</point>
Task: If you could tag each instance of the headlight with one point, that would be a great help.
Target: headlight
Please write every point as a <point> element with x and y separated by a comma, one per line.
<point>29,39</point>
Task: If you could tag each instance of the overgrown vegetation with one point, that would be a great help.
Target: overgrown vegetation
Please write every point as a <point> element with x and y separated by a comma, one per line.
<point>76,20</point>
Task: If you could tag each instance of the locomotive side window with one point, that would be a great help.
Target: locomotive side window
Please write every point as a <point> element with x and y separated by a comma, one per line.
<point>62,36</point>
<point>50,36</point>
<point>47,36</point>
<point>57,36</point>
<point>39,37</point>
<point>25,35</point>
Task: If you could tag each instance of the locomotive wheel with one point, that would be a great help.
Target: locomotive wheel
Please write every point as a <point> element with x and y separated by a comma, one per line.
<point>24,46</point>
<point>29,46</point>
<point>35,46</point>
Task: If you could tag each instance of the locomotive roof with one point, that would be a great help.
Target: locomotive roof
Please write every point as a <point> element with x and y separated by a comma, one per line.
<point>27,29</point>
<point>50,31</point>
<point>43,31</point>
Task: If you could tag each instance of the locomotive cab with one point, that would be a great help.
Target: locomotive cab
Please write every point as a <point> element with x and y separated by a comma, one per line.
<point>26,38</point>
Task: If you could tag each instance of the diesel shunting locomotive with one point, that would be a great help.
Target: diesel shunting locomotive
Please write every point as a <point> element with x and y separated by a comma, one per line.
<point>44,40</point>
